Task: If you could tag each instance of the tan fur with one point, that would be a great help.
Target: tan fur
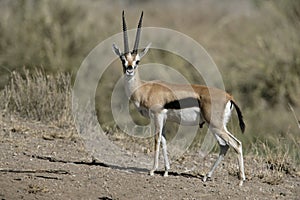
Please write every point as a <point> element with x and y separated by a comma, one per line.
<point>130,58</point>
<point>158,93</point>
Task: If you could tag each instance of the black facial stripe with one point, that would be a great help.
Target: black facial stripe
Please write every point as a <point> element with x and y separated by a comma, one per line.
<point>123,61</point>
<point>183,103</point>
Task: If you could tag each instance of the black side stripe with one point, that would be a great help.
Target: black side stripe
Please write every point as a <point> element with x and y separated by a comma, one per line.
<point>183,103</point>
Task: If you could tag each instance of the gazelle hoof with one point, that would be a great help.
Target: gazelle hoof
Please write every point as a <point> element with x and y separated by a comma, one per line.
<point>151,173</point>
<point>241,183</point>
<point>205,178</point>
<point>166,174</point>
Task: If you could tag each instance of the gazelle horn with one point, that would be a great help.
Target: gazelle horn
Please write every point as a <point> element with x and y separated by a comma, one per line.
<point>126,47</point>
<point>138,34</point>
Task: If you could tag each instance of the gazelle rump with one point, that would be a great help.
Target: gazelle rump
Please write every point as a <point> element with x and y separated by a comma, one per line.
<point>185,104</point>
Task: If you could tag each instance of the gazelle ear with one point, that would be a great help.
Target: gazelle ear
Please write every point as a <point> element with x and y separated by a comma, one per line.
<point>144,51</point>
<point>116,50</point>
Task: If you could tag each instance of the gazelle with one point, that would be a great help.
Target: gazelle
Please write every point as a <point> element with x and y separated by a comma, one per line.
<point>184,104</point>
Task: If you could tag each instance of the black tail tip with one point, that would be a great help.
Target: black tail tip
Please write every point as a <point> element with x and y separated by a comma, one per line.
<point>240,117</point>
<point>243,127</point>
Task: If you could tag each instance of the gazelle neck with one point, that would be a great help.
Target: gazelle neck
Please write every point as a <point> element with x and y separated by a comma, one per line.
<point>132,83</point>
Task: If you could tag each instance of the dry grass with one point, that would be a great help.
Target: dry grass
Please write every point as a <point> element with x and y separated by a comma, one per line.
<point>37,96</point>
<point>273,163</point>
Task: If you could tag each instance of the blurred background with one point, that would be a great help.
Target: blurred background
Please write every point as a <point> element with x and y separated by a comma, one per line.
<point>255,44</point>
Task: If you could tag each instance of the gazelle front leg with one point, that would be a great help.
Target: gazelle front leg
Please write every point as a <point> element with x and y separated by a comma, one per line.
<point>165,154</point>
<point>159,120</point>
<point>156,152</point>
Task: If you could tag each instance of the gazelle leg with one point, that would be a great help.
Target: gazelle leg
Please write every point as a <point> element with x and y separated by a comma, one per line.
<point>156,153</point>
<point>237,145</point>
<point>232,141</point>
<point>223,151</point>
<point>158,122</point>
<point>241,165</point>
<point>165,154</point>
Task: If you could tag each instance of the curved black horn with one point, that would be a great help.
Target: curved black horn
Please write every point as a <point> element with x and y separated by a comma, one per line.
<point>126,47</point>
<point>138,34</point>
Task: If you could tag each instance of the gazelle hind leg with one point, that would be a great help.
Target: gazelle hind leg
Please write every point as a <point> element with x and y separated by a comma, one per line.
<point>223,151</point>
<point>226,139</point>
<point>237,146</point>
<point>241,165</point>
<point>234,142</point>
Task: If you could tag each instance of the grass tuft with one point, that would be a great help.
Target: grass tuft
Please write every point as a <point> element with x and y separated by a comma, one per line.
<point>272,163</point>
<point>38,96</point>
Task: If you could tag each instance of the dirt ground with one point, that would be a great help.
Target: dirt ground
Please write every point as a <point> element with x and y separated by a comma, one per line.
<point>46,162</point>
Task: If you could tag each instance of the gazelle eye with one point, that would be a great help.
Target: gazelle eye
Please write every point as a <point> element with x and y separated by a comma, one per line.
<point>137,62</point>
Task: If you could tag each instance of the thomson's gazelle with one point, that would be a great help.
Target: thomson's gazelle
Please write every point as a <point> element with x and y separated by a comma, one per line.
<point>184,104</point>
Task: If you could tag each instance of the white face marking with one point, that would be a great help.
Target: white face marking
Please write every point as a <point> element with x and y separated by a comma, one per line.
<point>134,64</point>
<point>135,61</point>
<point>129,72</point>
<point>137,57</point>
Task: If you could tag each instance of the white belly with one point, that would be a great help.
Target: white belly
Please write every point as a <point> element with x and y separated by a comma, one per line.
<point>188,116</point>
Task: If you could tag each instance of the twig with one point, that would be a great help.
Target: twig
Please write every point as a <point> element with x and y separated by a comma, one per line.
<point>295,116</point>
<point>48,177</point>
<point>52,159</point>
<point>51,171</point>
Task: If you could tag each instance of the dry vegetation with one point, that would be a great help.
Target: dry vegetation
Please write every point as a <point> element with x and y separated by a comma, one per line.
<point>37,96</point>
<point>254,43</point>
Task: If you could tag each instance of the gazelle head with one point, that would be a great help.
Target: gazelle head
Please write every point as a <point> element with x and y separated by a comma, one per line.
<point>130,59</point>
